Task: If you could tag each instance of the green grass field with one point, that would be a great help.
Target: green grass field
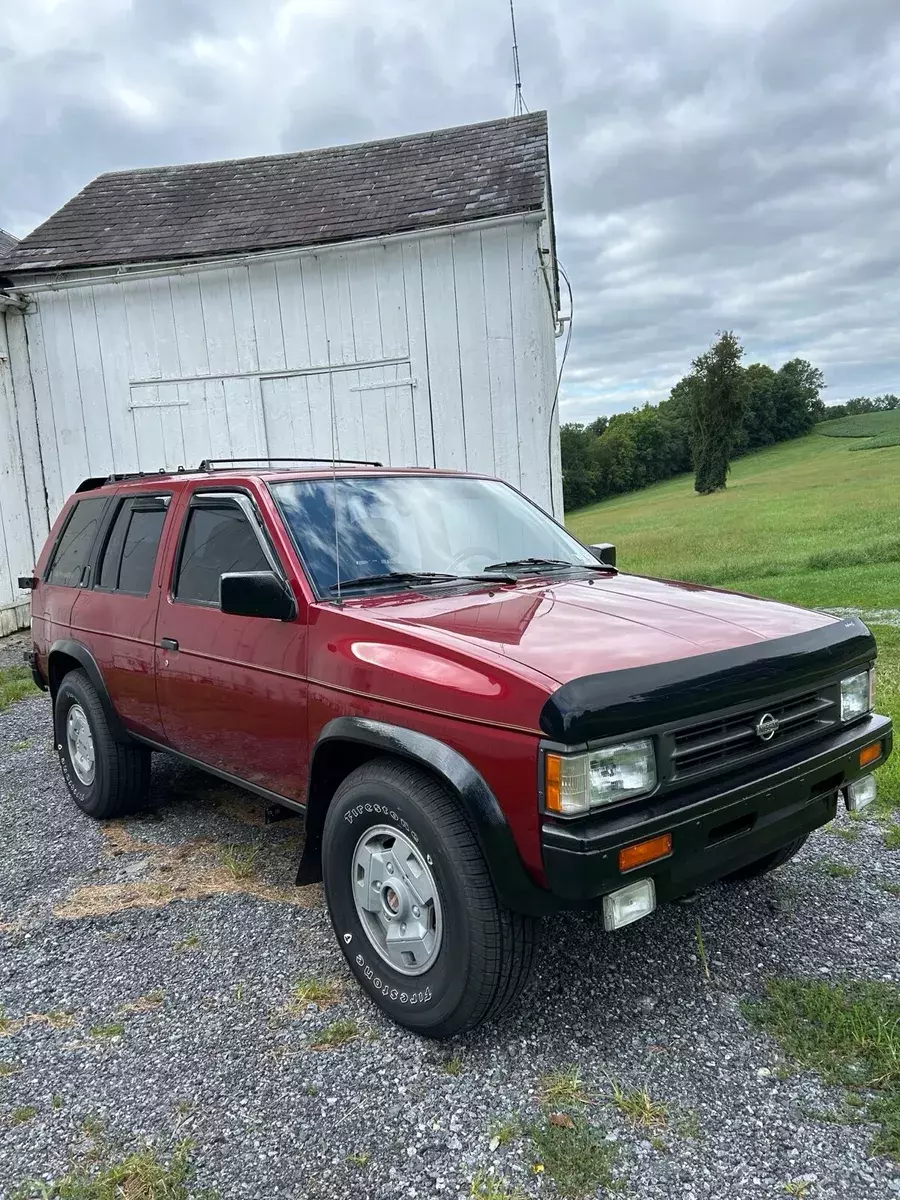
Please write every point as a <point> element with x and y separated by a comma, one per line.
<point>870,431</point>
<point>807,522</point>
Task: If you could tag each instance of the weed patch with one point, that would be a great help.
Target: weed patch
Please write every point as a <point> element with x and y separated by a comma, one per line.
<point>338,1034</point>
<point>192,871</point>
<point>147,1003</point>
<point>640,1109</point>
<point>575,1155</point>
<point>315,990</point>
<point>837,870</point>
<point>505,1131</point>
<point>22,1115</point>
<point>240,860</point>
<point>15,684</point>
<point>849,1033</point>
<point>140,1176</point>
<point>559,1089</point>
<point>487,1186</point>
<point>112,1030</point>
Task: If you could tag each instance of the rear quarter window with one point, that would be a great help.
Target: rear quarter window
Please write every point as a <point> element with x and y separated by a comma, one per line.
<point>73,550</point>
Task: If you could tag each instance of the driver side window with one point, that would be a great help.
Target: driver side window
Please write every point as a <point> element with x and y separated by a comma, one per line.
<point>217,539</point>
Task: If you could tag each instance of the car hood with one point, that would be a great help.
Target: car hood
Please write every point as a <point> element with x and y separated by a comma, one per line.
<point>569,628</point>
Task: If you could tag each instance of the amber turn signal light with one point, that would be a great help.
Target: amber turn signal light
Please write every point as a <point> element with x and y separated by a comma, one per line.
<point>870,754</point>
<point>553,783</point>
<point>642,853</point>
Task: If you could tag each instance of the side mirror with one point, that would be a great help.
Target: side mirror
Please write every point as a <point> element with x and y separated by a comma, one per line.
<point>604,552</point>
<point>256,594</point>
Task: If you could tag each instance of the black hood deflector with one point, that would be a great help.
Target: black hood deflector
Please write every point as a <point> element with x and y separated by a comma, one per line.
<point>618,702</point>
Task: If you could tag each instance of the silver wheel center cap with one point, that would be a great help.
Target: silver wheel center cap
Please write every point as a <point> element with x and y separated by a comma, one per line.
<point>396,899</point>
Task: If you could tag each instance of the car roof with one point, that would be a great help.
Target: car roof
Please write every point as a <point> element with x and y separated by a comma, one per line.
<point>224,475</point>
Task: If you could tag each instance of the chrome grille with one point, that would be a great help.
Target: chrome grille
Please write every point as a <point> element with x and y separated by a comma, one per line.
<point>730,741</point>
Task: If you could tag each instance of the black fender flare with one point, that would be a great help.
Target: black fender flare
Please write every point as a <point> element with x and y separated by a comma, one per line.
<point>515,888</point>
<point>88,663</point>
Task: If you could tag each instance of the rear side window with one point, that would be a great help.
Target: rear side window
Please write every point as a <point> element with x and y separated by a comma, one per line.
<point>130,556</point>
<point>216,540</point>
<point>73,550</point>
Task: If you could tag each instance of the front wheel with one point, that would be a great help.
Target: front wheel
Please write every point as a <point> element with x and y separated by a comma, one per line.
<point>769,862</point>
<point>413,905</point>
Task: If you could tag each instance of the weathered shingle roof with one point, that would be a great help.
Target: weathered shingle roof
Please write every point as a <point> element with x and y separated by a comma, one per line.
<point>7,241</point>
<point>318,196</point>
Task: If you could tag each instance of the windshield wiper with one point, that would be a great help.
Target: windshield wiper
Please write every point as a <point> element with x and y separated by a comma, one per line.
<point>419,577</point>
<point>553,563</point>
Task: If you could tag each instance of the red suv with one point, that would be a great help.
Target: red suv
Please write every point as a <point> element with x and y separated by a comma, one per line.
<point>481,719</point>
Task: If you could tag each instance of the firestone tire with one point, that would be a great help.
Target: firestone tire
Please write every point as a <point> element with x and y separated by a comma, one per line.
<point>484,953</point>
<point>120,776</point>
<point>769,862</point>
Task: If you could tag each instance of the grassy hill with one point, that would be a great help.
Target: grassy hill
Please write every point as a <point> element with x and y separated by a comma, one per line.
<point>872,430</point>
<point>805,521</point>
<point>808,522</point>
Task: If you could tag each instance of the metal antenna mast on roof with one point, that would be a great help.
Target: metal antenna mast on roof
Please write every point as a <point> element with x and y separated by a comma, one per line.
<point>334,491</point>
<point>519,105</point>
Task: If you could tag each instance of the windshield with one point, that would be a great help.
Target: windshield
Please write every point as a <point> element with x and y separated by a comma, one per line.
<point>418,523</point>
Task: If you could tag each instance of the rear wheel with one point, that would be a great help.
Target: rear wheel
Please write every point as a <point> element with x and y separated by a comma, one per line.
<point>413,905</point>
<point>769,862</point>
<point>105,777</point>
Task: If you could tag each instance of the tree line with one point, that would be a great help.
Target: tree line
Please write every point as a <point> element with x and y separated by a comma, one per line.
<point>718,411</point>
<point>862,404</point>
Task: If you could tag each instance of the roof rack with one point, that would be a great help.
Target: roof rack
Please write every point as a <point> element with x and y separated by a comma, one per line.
<point>222,464</point>
<point>98,481</point>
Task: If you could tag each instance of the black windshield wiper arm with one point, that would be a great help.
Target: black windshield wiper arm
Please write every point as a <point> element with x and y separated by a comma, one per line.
<point>515,563</point>
<point>419,577</point>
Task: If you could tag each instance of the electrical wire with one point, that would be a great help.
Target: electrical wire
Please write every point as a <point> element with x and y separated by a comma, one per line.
<point>562,365</point>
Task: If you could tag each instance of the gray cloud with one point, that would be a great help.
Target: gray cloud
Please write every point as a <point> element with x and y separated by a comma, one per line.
<point>716,163</point>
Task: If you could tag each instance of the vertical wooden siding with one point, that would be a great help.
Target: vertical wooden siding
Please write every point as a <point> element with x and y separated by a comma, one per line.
<point>20,533</point>
<point>140,373</point>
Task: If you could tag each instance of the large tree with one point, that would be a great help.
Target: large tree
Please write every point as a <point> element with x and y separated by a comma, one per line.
<point>718,387</point>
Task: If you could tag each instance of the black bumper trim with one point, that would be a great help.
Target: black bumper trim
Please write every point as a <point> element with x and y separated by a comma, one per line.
<point>714,830</point>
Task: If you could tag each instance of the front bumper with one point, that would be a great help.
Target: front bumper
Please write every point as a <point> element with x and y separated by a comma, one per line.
<point>715,829</point>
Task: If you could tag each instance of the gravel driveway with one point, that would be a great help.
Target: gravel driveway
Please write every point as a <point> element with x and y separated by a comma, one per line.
<point>168,1020</point>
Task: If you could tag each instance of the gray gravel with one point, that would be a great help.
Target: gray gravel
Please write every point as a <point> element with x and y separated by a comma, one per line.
<point>12,648</point>
<point>273,1118</point>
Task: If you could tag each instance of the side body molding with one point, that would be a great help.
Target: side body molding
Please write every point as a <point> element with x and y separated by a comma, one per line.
<point>355,740</point>
<point>88,663</point>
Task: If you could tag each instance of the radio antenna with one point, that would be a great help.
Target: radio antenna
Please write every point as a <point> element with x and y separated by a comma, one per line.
<point>334,491</point>
<point>519,105</point>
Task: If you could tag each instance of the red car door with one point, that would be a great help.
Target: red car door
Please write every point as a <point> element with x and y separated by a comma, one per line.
<point>232,690</point>
<point>115,617</point>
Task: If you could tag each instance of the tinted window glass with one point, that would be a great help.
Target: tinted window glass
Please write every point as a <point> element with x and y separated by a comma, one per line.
<point>74,549</point>
<point>217,540</point>
<point>139,552</point>
<point>112,555</point>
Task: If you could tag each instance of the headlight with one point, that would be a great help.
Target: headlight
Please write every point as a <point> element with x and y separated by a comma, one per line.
<point>577,783</point>
<point>857,695</point>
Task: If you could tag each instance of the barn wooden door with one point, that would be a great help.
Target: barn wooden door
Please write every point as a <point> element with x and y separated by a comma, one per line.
<point>376,417</point>
<point>180,424</point>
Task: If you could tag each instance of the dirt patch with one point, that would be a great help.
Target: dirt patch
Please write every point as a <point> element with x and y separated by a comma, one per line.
<point>190,871</point>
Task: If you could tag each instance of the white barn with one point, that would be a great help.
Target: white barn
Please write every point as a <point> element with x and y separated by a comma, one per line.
<point>166,315</point>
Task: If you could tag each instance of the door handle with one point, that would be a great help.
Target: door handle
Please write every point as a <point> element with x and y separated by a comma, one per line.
<point>168,643</point>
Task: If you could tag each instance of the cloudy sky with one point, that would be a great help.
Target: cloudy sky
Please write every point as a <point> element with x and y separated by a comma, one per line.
<point>716,163</point>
